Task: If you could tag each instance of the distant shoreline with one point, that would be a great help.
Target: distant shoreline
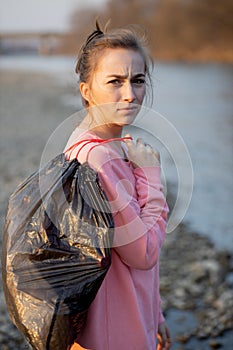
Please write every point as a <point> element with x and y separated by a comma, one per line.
<point>205,55</point>
<point>189,58</point>
<point>202,56</point>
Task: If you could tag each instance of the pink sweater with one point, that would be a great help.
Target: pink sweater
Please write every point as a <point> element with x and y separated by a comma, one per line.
<point>126,311</point>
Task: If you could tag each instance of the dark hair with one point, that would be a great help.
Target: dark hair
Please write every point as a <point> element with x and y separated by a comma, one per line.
<point>98,41</point>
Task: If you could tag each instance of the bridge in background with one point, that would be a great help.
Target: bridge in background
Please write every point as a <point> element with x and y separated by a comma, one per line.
<point>41,43</point>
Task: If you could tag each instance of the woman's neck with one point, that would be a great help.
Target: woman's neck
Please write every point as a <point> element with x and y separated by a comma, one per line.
<point>107,132</point>
<point>104,131</point>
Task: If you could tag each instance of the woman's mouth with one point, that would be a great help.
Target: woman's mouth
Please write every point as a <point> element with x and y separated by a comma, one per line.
<point>128,109</point>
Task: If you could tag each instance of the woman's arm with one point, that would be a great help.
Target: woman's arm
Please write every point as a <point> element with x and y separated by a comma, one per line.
<point>140,221</point>
<point>140,227</point>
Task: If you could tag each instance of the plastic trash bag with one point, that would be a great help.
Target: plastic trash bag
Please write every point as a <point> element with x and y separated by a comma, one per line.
<point>56,251</point>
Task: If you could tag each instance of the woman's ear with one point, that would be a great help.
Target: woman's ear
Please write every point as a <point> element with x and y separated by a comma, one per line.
<point>85,91</point>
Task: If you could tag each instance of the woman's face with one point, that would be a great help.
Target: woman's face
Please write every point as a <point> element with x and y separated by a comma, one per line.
<point>118,84</point>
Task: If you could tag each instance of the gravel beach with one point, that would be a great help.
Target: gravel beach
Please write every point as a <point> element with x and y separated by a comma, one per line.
<point>196,278</point>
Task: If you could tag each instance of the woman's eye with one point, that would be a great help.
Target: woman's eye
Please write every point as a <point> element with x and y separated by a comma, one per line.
<point>139,81</point>
<point>114,82</point>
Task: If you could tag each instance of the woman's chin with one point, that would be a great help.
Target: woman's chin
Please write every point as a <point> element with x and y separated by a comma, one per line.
<point>126,117</point>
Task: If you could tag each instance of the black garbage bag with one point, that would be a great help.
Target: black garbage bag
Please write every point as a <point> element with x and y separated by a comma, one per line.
<point>56,251</point>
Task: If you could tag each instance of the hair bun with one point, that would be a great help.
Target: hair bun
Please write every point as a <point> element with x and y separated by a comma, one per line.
<point>96,34</point>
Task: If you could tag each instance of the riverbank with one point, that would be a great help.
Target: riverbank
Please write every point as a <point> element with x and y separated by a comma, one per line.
<point>196,287</point>
<point>196,277</point>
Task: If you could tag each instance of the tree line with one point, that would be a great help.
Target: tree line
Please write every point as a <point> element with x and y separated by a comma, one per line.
<point>189,30</point>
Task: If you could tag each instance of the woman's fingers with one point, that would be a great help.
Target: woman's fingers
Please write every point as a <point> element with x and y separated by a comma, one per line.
<point>142,154</point>
<point>164,337</point>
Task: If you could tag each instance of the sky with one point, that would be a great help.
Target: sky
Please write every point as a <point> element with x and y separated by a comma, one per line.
<point>40,15</point>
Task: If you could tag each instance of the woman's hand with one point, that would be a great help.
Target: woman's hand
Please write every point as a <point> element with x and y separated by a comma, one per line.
<point>141,154</point>
<point>164,337</point>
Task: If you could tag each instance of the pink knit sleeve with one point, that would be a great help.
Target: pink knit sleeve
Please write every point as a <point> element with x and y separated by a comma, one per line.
<point>161,318</point>
<point>139,211</point>
<point>139,233</point>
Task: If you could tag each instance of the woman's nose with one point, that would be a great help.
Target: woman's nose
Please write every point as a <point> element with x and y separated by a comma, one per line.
<point>128,93</point>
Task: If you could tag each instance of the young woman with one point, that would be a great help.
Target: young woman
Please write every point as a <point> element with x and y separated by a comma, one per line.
<point>126,313</point>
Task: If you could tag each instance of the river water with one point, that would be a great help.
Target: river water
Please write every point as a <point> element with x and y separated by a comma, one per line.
<point>197,100</point>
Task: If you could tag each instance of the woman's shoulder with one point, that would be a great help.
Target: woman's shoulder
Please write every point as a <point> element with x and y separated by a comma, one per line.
<point>87,146</point>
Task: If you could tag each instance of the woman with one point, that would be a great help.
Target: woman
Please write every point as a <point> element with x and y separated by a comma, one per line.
<point>126,313</point>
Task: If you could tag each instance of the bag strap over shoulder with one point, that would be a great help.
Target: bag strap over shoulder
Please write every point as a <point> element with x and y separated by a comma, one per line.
<point>88,141</point>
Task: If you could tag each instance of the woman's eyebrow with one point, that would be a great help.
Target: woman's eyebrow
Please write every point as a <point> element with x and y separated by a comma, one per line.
<point>118,76</point>
<point>139,75</point>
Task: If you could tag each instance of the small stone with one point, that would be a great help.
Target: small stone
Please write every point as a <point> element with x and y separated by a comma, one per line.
<point>214,344</point>
<point>202,335</point>
<point>183,338</point>
<point>180,293</point>
<point>225,301</point>
<point>195,289</point>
